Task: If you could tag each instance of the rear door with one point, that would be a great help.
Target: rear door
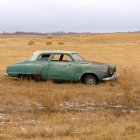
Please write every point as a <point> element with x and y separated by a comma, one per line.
<point>43,60</point>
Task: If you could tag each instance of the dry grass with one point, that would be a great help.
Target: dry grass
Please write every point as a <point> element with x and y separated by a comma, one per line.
<point>50,110</point>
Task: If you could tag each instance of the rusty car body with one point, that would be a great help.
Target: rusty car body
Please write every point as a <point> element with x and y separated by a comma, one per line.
<point>61,65</point>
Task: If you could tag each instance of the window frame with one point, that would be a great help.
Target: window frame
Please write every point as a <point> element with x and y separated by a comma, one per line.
<point>43,54</point>
<point>62,57</point>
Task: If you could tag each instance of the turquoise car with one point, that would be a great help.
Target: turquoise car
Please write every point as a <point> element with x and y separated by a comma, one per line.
<point>62,65</point>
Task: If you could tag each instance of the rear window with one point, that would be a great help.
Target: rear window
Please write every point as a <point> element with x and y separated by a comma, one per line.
<point>44,57</point>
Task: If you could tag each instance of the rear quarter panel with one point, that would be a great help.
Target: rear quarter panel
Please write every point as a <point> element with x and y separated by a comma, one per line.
<point>25,68</point>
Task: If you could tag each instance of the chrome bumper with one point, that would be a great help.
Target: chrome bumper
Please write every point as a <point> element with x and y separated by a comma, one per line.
<point>6,74</point>
<point>113,77</point>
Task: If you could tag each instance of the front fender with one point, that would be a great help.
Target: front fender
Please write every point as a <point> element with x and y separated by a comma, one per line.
<point>100,75</point>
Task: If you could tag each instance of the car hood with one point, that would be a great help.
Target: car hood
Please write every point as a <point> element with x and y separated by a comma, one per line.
<point>96,63</point>
<point>99,64</point>
<point>93,62</point>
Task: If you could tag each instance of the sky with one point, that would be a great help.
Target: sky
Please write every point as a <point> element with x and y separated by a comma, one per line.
<point>69,15</point>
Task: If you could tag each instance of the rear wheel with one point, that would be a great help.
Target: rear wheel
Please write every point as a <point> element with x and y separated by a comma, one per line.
<point>90,80</point>
<point>28,77</point>
<point>21,77</point>
<point>25,77</point>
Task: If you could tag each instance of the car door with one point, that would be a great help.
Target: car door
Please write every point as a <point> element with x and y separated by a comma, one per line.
<point>61,67</point>
<point>43,60</point>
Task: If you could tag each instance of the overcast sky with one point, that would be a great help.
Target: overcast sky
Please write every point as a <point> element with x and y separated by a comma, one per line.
<point>69,15</point>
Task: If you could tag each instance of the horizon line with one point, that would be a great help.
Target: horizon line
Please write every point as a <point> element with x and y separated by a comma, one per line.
<point>62,32</point>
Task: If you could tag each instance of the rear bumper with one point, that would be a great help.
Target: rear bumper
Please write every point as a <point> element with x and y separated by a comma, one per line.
<point>6,74</point>
<point>113,77</point>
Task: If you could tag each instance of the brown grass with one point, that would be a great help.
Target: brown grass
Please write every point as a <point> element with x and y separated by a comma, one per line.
<point>50,110</point>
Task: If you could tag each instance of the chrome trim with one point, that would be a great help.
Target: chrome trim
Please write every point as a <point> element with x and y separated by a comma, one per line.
<point>6,74</point>
<point>113,77</point>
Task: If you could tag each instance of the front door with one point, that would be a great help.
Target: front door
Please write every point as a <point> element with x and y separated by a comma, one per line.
<point>61,67</point>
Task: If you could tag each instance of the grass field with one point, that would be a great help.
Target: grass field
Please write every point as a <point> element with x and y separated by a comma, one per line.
<point>50,110</point>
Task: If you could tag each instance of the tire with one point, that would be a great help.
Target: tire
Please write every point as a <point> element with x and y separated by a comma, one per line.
<point>21,77</point>
<point>90,80</point>
<point>25,77</point>
<point>28,77</point>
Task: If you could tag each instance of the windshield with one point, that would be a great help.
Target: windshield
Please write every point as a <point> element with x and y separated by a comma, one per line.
<point>77,57</point>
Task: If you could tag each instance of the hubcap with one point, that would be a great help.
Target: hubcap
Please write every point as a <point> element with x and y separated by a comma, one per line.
<point>90,81</point>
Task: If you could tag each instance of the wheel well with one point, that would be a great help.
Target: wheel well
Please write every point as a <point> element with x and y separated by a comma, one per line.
<point>85,74</point>
<point>19,75</point>
<point>24,75</point>
<point>37,77</point>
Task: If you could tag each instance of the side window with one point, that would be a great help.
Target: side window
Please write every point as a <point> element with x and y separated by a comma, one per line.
<point>44,57</point>
<point>56,57</point>
<point>67,58</point>
<point>61,58</point>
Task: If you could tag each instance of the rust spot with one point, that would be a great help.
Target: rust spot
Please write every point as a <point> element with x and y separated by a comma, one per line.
<point>37,77</point>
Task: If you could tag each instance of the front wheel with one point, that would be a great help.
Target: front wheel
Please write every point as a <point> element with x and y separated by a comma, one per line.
<point>90,80</point>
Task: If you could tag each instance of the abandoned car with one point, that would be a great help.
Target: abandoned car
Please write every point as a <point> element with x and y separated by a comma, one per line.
<point>61,65</point>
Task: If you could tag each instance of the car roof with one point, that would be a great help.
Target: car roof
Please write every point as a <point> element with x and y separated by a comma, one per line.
<point>53,51</point>
<point>37,53</point>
